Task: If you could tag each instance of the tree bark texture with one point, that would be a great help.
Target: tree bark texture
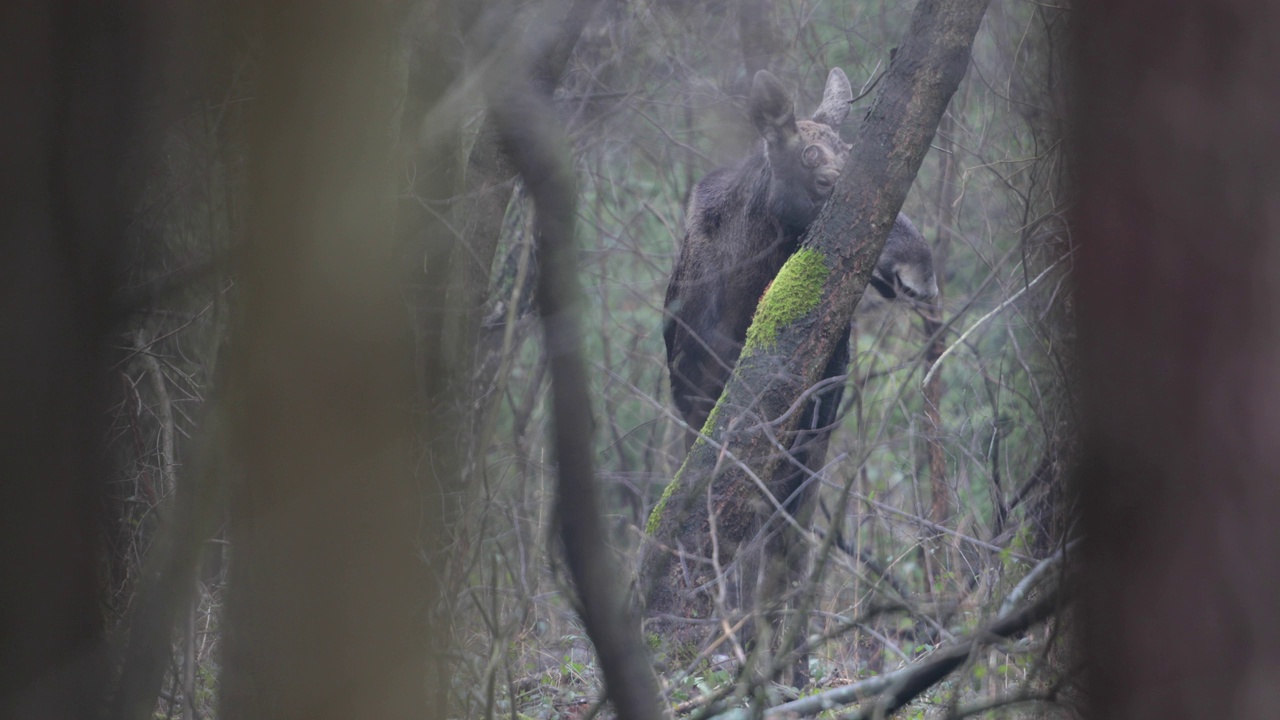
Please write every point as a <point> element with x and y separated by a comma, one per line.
<point>1179,176</point>
<point>750,424</point>
<point>327,586</point>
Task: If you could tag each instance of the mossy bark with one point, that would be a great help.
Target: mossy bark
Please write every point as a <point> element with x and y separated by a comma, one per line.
<point>796,291</point>
<point>791,350</point>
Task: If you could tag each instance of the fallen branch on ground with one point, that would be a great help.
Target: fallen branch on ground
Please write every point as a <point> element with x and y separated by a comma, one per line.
<point>900,687</point>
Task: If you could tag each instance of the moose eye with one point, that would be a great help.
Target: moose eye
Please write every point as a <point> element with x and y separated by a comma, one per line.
<point>811,156</point>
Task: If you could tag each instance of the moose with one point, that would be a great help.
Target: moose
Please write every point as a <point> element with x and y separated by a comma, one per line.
<point>741,224</point>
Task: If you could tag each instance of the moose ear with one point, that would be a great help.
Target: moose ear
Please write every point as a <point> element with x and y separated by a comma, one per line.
<point>835,99</point>
<point>772,111</point>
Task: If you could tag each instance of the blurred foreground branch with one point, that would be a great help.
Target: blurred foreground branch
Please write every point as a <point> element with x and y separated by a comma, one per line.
<point>527,128</point>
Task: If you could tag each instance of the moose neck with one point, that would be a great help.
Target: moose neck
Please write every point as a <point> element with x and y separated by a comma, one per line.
<point>777,201</point>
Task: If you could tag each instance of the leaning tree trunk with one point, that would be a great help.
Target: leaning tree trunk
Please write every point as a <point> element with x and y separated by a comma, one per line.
<point>802,318</point>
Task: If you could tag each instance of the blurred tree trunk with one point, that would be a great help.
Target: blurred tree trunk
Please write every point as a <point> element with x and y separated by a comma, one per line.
<point>70,90</point>
<point>432,164</point>
<point>200,71</point>
<point>328,592</point>
<point>1179,174</point>
<point>752,413</point>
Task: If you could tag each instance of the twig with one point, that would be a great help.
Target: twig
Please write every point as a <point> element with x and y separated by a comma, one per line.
<point>905,684</point>
<point>189,658</point>
<point>164,412</point>
<point>965,335</point>
<point>1025,584</point>
<point>942,528</point>
<point>871,83</point>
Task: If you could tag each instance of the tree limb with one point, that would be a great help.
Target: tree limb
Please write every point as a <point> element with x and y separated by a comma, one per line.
<point>526,126</point>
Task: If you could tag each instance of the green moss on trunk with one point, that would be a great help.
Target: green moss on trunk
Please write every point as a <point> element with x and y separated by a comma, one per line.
<point>796,291</point>
<point>655,517</point>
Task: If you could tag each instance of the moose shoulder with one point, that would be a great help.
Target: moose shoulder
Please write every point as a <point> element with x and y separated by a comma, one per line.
<point>741,225</point>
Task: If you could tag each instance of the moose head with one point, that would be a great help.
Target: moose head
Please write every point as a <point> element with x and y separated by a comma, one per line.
<point>805,156</point>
